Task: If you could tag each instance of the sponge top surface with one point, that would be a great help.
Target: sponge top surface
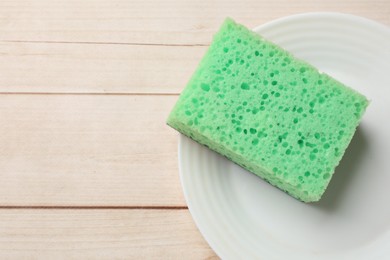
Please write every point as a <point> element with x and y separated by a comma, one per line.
<point>257,100</point>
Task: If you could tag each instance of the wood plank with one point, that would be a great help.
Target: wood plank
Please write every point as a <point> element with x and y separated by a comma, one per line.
<point>102,234</point>
<point>96,68</point>
<point>158,22</point>
<point>88,150</point>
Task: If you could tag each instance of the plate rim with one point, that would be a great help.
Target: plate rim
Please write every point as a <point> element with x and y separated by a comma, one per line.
<point>309,15</point>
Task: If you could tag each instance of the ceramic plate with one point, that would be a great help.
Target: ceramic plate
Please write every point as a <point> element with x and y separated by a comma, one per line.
<point>243,217</point>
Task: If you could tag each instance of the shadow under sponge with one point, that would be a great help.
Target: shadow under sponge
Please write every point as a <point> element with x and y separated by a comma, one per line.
<point>269,112</point>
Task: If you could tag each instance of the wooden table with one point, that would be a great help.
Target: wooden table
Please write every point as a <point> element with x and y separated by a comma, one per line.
<point>88,167</point>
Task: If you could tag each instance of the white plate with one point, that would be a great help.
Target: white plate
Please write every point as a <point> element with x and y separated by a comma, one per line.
<point>243,217</point>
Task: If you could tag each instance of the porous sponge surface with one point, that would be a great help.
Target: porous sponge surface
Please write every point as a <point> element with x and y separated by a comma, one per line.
<point>271,113</point>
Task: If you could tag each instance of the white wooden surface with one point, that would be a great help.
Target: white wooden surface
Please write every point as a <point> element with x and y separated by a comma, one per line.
<point>88,168</point>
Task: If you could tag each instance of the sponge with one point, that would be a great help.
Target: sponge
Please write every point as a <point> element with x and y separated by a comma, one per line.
<point>269,112</point>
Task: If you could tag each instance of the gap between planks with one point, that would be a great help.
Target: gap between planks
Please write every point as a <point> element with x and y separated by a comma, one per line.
<point>88,93</point>
<point>98,207</point>
<point>109,43</point>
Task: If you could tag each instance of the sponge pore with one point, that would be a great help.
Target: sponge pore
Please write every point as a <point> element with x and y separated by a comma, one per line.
<point>269,112</point>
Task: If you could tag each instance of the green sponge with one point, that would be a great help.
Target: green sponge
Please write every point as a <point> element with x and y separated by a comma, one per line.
<point>269,112</point>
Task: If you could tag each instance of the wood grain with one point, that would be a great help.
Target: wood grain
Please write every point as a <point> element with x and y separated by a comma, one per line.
<point>96,68</point>
<point>100,234</point>
<point>35,56</point>
<point>85,88</point>
<point>88,150</point>
<point>156,22</point>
